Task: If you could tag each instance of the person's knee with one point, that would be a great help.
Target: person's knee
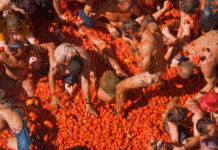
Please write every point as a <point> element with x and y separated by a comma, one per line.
<point>120,87</point>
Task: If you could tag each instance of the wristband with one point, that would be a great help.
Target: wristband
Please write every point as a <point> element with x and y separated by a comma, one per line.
<point>88,103</point>
<point>203,92</point>
<point>134,50</point>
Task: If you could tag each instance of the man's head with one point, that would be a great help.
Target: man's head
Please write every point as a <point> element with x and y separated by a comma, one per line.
<point>176,114</point>
<point>125,5</point>
<point>206,127</point>
<point>16,47</point>
<point>13,23</point>
<point>189,6</point>
<point>75,65</point>
<point>186,69</point>
<point>209,17</point>
<point>130,27</point>
<point>29,6</point>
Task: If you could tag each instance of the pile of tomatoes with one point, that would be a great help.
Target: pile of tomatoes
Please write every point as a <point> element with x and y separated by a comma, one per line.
<point>67,126</point>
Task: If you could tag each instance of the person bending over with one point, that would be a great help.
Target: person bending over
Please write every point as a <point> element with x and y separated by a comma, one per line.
<point>201,53</point>
<point>71,62</point>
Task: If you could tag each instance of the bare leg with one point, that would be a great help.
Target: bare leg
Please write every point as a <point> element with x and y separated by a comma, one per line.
<point>12,143</point>
<point>93,77</point>
<point>137,81</point>
<point>28,86</point>
<point>104,96</point>
<point>103,48</point>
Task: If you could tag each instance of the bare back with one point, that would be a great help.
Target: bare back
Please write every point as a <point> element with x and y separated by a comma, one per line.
<point>205,48</point>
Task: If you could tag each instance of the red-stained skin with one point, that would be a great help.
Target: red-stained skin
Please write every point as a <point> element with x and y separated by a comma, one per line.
<point>68,126</point>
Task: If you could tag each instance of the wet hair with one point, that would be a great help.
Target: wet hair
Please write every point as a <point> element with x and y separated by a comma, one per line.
<point>202,126</point>
<point>4,98</point>
<point>130,26</point>
<point>122,2</point>
<point>209,18</point>
<point>176,114</point>
<point>147,20</point>
<point>13,22</point>
<point>15,45</point>
<point>188,6</point>
<point>26,5</point>
<point>75,65</point>
<point>186,69</point>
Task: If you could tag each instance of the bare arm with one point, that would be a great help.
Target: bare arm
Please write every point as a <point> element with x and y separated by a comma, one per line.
<point>160,12</point>
<point>51,79</point>
<point>57,6</point>
<point>86,87</point>
<point>173,131</point>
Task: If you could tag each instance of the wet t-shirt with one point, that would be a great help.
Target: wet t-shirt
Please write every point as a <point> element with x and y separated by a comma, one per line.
<point>63,54</point>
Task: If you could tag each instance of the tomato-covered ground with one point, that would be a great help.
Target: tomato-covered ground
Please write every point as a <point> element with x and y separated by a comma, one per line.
<point>68,126</point>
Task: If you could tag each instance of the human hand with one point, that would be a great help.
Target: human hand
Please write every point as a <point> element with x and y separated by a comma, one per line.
<point>114,32</point>
<point>55,102</point>
<point>166,32</point>
<point>191,101</point>
<point>89,108</point>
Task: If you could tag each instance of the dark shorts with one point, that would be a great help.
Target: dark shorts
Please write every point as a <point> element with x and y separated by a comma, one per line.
<point>183,134</point>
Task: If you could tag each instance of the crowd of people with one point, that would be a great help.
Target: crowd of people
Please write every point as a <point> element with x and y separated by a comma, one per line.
<point>152,47</point>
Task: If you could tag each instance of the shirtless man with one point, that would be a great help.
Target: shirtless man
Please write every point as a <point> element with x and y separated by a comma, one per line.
<point>16,63</point>
<point>22,6</point>
<point>87,8</point>
<point>70,61</point>
<point>17,125</point>
<point>202,53</point>
<point>117,11</point>
<point>147,45</point>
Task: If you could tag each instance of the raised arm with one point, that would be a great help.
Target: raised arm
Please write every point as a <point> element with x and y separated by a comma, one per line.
<point>160,12</point>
